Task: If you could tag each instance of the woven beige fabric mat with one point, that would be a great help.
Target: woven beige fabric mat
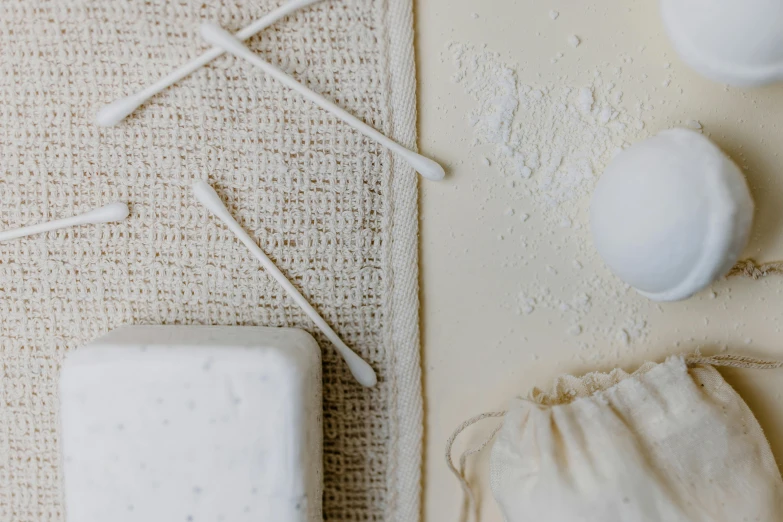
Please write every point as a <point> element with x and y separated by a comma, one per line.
<point>336,212</point>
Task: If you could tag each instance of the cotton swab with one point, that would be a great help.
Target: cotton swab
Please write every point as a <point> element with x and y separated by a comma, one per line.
<point>207,196</point>
<point>107,214</point>
<point>217,36</point>
<point>117,111</point>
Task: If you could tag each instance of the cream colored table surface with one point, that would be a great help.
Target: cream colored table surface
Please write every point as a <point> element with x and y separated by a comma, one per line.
<point>478,353</point>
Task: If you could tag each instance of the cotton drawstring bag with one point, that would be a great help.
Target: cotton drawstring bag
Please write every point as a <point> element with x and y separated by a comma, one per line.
<point>672,442</point>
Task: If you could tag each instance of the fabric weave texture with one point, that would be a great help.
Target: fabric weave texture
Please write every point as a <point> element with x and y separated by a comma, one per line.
<point>336,213</point>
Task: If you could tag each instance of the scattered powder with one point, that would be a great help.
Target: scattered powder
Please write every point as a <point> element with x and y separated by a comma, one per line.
<point>551,142</point>
<point>553,15</point>
<point>694,124</point>
<point>666,82</point>
<point>485,161</point>
<point>526,304</point>
<point>667,65</point>
<point>509,212</point>
<point>574,41</point>
<point>475,16</point>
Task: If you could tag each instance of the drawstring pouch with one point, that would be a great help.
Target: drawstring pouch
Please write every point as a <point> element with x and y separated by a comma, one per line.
<point>672,442</point>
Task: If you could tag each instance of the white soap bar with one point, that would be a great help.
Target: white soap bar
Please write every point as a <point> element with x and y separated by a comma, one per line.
<point>193,424</point>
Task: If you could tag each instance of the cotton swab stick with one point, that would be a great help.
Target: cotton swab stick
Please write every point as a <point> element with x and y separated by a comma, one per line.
<point>107,214</point>
<point>217,36</point>
<point>207,196</point>
<point>115,112</point>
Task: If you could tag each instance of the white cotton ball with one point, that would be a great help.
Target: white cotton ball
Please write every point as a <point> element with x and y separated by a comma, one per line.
<point>671,214</point>
<point>738,42</point>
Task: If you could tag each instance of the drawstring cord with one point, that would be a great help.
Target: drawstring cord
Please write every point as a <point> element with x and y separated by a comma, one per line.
<point>469,504</point>
<point>732,361</point>
<point>750,268</point>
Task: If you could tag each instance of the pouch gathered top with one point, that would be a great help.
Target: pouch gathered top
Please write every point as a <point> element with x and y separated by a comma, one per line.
<point>672,442</point>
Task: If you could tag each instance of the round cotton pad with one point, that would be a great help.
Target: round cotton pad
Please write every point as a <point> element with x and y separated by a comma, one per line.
<point>739,42</point>
<point>671,214</point>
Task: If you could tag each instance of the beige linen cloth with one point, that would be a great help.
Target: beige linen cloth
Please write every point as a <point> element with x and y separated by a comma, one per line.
<point>337,213</point>
<point>672,442</point>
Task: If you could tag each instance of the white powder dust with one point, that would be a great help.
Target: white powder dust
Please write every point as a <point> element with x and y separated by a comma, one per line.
<point>559,137</point>
<point>550,143</point>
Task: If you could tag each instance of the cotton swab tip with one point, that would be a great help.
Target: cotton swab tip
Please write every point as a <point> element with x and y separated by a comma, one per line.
<point>216,35</point>
<point>113,113</point>
<point>107,214</point>
<point>429,169</point>
<point>207,196</point>
<point>362,371</point>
